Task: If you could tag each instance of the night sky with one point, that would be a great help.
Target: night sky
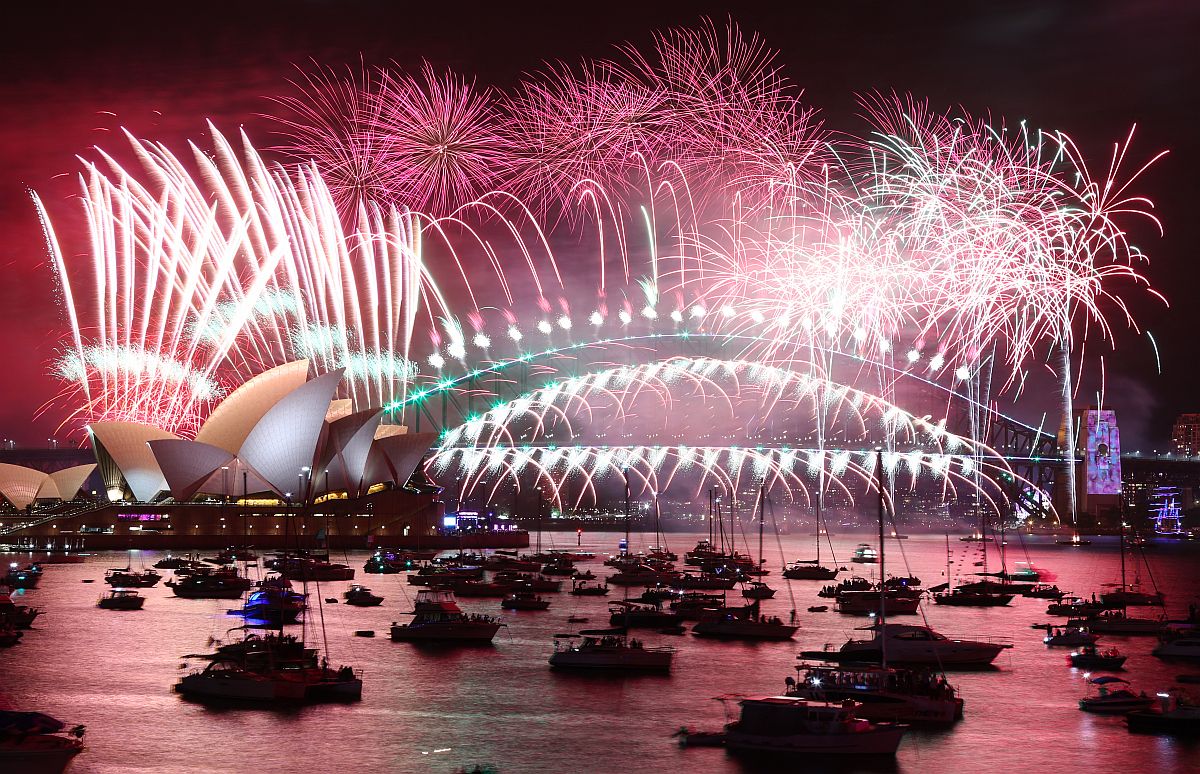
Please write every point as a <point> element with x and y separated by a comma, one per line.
<point>72,76</point>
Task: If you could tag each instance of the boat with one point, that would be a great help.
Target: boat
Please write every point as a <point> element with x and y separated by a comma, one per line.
<point>818,609</point>
<point>272,677</point>
<point>1132,597</point>
<point>757,590</point>
<point>9,635</point>
<point>524,600</point>
<point>583,576</point>
<point>19,577</point>
<point>974,537</point>
<point>274,603</point>
<point>893,601</point>
<point>609,650</point>
<point>1113,697</point>
<point>309,569</point>
<point>749,625</point>
<point>865,554</point>
<point>794,727</point>
<point>582,589</point>
<point>559,567</point>
<point>1074,607</point>
<point>1041,591</point>
<point>964,598</point>
<point>704,581</point>
<point>1089,657</point>
<point>1117,622</point>
<point>912,644</point>
<point>812,569</point>
<point>34,743</point>
<point>850,584</point>
<point>170,562</point>
<point>803,571</point>
<point>918,696</point>
<point>211,583</point>
<point>376,564</point>
<point>14,615</point>
<point>1070,637</point>
<point>1182,647</point>
<point>438,618</point>
<point>1173,715</point>
<point>1074,540</point>
<point>634,615</point>
<point>122,599</point>
<point>361,596</point>
<point>528,581</point>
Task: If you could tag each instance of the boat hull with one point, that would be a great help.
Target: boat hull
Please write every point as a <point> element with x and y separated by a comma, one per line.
<point>643,661</point>
<point>38,753</point>
<point>878,741</point>
<point>480,633</point>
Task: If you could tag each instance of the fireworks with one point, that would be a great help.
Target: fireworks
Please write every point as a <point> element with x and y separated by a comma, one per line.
<point>699,196</point>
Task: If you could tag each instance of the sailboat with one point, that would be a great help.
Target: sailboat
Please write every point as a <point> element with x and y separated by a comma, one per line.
<point>812,569</point>
<point>985,593</point>
<point>271,670</point>
<point>906,643</point>
<point>1131,594</point>
<point>1116,619</point>
<point>747,623</point>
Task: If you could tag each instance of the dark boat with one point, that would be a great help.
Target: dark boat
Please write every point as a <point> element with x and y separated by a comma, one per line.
<point>918,696</point>
<point>1089,657</point>
<point>1174,716</point>
<point>122,599</point>
<point>22,578</point>
<point>125,578</point>
<point>211,584</point>
<point>633,615</point>
<point>524,600</point>
<point>438,618</point>
<point>33,743</point>
<point>361,596</point>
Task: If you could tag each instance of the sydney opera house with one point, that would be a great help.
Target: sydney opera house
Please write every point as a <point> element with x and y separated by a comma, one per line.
<point>281,459</point>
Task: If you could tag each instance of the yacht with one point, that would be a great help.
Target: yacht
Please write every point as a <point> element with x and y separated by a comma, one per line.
<point>309,569</point>
<point>582,589</point>
<point>438,618</point>
<point>274,603</point>
<point>757,590</point>
<point>33,742</point>
<point>894,601</point>
<point>629,615</point>
<point>913,644</point>
<point>1117,622</point>
<point>1089,657</point>
<point>1180,647</point>
<point>608,649</point>
<point>794,727</point>
<point>1069,637</point>
<point>902,695</point>
<point>122,599</point>
<point>965,598</point>
<point>809,571</point>
<point>22,578</point>
<point>1132,597</point>
<point>204,583</point>
<point>524,600</point>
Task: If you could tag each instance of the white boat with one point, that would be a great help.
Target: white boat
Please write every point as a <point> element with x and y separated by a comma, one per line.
<point>1180,647</point>
<point>865,554</point>
<point>913,644</point>
<point>611,650</point>
<point>1113,697</point>
<point>785,725</point>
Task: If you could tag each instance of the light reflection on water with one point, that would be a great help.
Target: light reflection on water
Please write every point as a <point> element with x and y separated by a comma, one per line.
<point>429,709</point>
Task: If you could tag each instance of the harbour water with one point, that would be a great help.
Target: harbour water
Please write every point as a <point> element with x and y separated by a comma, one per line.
<point>442,709</point>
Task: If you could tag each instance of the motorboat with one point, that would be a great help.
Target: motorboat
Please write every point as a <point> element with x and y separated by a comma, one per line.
<point>1178,648</point>
<point>528,581</point>
<point>1074,607</point>
<point>171,562</point>
<point>582,576</point>
<point>642,575</point>
<point>437,617</point>
<point>744,625</point>
<point>963,598</point>
<point>794,727</point>
<point>583,589</point>
<point>214,583</point>
<point>918,696</point>
<point>274,603</point>
<point>757,590</point>
<point>361,596</point>
<point>608,649</point>
<point>1113,697</point>
<point>1173,715</point>
<point>634,615</point>
<point>524,600</point>
<point>19,577</point>
<point>894,602</point>
<point>9,635</point>
<point>705,581</point>
<point>14,615</point>
<point>850,584</point>
<point>376,564</point>
<point>865,554</point>
<point>122,599</point>
<point>34,743</point>
<point>912,644</point>
<point>559,567</point>
<point>1074,540</point>
<point>1090,657</point>
<point>309,569</point>
<point>1041,591</point>
<point>1118,622</point>
<point>1070,637</point>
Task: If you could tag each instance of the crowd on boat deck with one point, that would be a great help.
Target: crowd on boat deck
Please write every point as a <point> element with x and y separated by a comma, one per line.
<point>927,683</point>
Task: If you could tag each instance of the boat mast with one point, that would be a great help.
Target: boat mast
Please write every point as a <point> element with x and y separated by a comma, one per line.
<point>949,582</point>
<point>882,576</point>
<point>762,496</point>
<point>820,499</point>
